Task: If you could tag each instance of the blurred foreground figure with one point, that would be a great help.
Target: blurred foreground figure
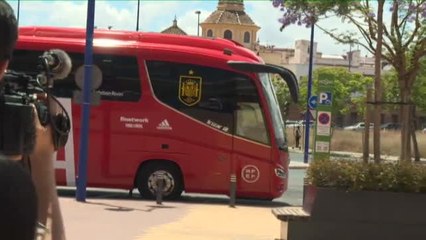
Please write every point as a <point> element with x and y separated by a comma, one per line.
<point>28,197</point>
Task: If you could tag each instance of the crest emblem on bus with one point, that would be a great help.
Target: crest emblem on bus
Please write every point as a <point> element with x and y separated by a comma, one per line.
<point>190,90</point>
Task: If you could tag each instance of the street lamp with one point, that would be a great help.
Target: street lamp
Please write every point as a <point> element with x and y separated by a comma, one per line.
<point>137,17</point>
<point>198,23</point>
<point>307,115</point>
<point>19,7</point>
<point>350,56</point>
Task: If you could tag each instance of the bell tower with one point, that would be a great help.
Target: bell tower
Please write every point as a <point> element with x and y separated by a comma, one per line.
<point>230,21</point>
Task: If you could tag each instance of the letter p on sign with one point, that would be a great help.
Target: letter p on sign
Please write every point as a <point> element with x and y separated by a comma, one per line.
<point>324,98</point>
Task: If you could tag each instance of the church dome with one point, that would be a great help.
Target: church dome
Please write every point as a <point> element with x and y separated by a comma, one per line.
<point>230,12</point>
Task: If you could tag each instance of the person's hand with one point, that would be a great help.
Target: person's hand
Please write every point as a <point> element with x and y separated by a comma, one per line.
<point>44,142</point>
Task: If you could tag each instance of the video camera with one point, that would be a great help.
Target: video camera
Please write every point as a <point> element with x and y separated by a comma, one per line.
<point>21,93</point>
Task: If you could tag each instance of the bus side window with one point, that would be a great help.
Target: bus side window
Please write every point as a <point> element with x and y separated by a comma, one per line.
<point>120,74</point>
<point>228,101</point>
<point>120,77</point>
<point>213,103</point>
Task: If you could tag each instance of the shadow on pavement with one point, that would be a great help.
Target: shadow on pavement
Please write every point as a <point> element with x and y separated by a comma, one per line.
<point>116,208</point>
<point>224,200</point>
<point>93,195</point>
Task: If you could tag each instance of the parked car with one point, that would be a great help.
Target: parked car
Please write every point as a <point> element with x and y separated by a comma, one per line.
<point>390,126</point>
<point>292,123</point>
<point>303,122</point>
<point>358,126</point>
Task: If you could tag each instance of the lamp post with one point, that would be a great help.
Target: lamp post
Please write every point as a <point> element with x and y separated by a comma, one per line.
<point>137,17</point>
<point>198,23</point>
<point>18,9</point>
<point>307,115</point>
<point>350,57</point>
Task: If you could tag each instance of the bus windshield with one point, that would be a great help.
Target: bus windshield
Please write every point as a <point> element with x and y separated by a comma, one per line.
<point>277,120</point>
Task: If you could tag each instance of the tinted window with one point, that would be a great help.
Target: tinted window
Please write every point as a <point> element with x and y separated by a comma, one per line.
<point>120,75</point>
<point>210,95</point>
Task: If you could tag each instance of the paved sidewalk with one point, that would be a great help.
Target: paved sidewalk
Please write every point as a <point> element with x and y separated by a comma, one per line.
<point>121,218</point>
<point>209,222</point>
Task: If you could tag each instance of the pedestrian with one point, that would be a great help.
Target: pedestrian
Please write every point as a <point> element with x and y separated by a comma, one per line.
<point>297,135</point>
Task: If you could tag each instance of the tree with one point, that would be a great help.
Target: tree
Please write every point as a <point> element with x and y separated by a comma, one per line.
<point>348,89</point>
<point>404,40</point>
<point>391,89</point>
<point>419,89</point>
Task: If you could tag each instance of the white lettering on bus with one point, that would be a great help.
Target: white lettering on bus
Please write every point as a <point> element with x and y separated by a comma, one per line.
<point>217,126</point>
<point>110,93</point>
<point>133,125</point>
<point>131,122</point>
<point>68,163</point>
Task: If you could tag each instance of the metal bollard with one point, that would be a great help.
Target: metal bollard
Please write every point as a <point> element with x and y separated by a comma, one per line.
<point>233,190</point>
<point>159,190</point>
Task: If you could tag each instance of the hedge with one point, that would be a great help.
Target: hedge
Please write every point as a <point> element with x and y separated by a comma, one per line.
<point>358,176</point>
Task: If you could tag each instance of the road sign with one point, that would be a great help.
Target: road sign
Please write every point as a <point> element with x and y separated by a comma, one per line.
<point>312,102</point>
<point>324,118</point>
<point>323,122</point>
<point>313,113</point>
<point>324,98</point>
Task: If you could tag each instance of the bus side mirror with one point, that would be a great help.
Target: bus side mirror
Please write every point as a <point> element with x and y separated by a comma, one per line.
<point>285,74</point>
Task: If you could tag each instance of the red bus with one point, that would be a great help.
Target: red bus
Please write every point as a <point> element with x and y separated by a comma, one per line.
<point>195,109</point>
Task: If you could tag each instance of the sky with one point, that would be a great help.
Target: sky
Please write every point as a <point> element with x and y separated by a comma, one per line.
<point>158,15</point>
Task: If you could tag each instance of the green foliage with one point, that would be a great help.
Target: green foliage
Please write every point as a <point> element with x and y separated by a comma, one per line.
<point>307,12</point>
<point>348,88</point>
<point>404,34</point>
<point>281,89</point>
<point>359,176</point>
<point>391,92</point>
<point>419,88</point>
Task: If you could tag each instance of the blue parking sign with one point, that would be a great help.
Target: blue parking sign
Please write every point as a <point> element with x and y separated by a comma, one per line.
<point>324,98</point>
<point>312,102</point>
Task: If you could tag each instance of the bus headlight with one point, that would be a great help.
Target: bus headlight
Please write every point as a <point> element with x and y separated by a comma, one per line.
<point>279,172</point>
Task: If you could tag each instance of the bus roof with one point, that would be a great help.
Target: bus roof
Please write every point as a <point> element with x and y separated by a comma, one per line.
<point>132,38</point>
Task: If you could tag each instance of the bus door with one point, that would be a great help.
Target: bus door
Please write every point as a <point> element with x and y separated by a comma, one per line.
<point>251,141</point>
<point>253,149</point>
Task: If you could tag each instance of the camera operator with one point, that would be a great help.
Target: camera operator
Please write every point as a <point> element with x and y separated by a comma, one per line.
<point>39,161</point>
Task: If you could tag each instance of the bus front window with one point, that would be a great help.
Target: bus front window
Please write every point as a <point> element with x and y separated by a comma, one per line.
<point>272,100</point>
<point>250,121</point>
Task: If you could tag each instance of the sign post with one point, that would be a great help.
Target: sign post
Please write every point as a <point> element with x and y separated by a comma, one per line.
<point>323,119</point>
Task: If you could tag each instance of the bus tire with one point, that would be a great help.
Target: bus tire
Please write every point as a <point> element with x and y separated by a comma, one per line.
<point>173,182</point>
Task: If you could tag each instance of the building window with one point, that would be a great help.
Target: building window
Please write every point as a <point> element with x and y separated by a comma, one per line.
<point>247,37</point>
<point>209,33</point>
<point>228,34</point>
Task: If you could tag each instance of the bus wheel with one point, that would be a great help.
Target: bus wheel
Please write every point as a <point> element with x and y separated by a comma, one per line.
<point>172,180</point>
